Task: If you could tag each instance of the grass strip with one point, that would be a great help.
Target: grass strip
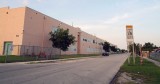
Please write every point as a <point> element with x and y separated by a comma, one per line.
<point>148,71</point>
<point>13,58</point>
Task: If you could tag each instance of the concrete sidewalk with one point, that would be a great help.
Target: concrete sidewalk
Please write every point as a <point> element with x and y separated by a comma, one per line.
<point>153,61</point>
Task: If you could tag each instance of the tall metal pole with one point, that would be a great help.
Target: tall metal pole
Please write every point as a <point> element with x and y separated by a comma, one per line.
<point>133,53</point>
<point>128,56</point>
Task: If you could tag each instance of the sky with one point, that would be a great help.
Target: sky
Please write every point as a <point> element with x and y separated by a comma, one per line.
<point>105,19</point>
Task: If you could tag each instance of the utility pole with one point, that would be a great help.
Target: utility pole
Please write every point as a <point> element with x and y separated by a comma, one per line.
<point>133,53</point>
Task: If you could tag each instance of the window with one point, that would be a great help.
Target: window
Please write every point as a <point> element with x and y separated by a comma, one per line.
<point>85,40</point>
<point>17,35</point>
<point>93,41</point>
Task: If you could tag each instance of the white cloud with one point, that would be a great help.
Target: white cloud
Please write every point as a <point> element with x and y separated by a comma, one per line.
<point>116,19</point>
<point>25,2</point>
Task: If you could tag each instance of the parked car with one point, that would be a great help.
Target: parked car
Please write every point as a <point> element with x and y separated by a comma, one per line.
<point>105,54</point>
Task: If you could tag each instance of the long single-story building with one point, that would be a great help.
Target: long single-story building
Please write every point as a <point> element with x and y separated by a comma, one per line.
<point>26,31</point>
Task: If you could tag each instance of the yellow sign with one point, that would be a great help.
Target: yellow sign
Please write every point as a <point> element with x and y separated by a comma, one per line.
<point>129,26</point>
<point>129,31</point>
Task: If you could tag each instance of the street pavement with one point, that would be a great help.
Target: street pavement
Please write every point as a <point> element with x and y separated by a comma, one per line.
<point>83,71</point>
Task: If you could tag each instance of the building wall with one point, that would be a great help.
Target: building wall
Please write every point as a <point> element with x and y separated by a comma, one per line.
<point>33,27</point>
<point>90,44</point>
<point>37,27</point>
<point>11,26</point>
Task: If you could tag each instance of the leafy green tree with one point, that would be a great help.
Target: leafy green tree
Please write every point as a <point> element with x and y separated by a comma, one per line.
<point>113,48</point>
<point>106,46</point>
<point>136,48</point>
<point>61,39</point>
<point>149,47</point>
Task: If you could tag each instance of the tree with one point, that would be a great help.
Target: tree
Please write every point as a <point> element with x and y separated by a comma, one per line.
<point>113,48</point>
<point>61,39</point>
<point>106,46</point>
<point>149,47</point>
<point>136,48</point>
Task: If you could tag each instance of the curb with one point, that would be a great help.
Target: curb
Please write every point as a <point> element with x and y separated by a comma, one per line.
<point>113,81</point>
<point>59,60</point>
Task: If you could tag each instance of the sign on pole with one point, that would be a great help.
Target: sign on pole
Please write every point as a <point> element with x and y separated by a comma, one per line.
<point>130,40</point>
<point>129,34</point>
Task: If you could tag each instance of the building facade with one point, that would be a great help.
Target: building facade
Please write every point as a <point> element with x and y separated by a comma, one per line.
<point>27,27</point>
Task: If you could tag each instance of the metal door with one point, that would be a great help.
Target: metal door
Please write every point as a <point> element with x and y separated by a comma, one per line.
<point>7,48</point>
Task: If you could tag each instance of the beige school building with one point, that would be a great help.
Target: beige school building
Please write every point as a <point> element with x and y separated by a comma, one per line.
<point>24,28</point>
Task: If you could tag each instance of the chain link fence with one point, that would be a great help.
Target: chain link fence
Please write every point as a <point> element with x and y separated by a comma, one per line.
<point>155,55</point>
<point>28,53</point>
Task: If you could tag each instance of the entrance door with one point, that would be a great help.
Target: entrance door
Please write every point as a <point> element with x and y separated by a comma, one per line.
<point>7,48</point>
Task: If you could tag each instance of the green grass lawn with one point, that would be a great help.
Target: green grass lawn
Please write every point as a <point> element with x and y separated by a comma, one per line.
<point>149,72</point>
<point>15,59</point>
<point>29,58</point>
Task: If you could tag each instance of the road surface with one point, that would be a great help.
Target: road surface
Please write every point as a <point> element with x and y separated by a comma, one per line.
<point>84,71</point>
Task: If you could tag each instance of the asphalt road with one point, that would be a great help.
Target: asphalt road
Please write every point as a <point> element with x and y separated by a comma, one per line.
<point>84,71</point>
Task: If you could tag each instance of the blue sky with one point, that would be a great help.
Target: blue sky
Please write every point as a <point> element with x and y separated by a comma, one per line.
<point>104,18</point>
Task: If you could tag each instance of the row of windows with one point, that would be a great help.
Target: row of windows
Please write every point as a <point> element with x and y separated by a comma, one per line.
<point>92,41</point>
<point>93,50</point>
